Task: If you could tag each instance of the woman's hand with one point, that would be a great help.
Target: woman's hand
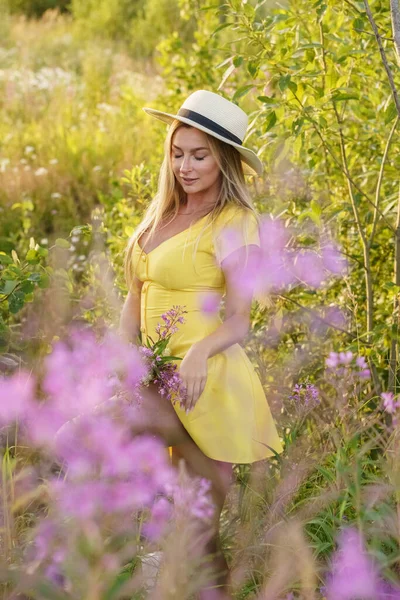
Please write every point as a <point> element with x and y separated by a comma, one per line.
<point>193,372</point>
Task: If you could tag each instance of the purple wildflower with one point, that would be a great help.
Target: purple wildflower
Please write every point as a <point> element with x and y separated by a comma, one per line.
<point>343,363</point>
<point>389,403</point>
<point>161,513</point>
<point>353,573</point>
<point>333,260</point>
<point>16,396</point>
<point>194,498</point>
<point>305,395</point>
<point>209,302</point>
<point>307,268</point>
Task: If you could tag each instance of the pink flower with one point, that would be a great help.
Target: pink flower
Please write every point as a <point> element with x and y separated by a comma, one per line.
<point>210,302</point>
<point>333,360</point>
<point>333,260</point>
<point>161,514</point>
<point>80,372</point>
<point>389,403</point>
<point>16,396</point>
<point>274,235</point>
<point>345,357</point>
<point>353,573</point>
<point>307,268</point>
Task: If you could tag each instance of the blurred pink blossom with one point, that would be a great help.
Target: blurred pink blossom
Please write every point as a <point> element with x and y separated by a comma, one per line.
<point>16,396</point>
<point>210,302</point>
<point>307,268</point>
<point>389,403</point>
<point>353,573</point>
<point>333,260</point>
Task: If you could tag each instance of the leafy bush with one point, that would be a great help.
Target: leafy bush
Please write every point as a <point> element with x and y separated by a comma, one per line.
<point>36,8</point>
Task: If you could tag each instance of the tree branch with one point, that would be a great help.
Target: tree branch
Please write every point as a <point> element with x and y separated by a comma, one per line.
<point>395,13</point>
<point>379,182</point>
<point>383,54</point>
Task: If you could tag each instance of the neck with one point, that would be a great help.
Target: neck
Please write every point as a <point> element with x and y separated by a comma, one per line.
<point>202,200</point>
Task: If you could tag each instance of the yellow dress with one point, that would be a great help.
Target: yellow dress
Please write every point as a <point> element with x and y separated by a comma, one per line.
<point>231,420</point>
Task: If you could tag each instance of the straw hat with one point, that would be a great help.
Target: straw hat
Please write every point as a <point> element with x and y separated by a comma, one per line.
<point>216,116</point>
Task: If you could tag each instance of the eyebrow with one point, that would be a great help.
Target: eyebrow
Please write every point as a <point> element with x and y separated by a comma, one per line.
<point>193,150</point>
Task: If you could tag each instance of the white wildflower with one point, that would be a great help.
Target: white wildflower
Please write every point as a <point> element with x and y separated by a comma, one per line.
<point>4,162</point>
<point>41,171</point>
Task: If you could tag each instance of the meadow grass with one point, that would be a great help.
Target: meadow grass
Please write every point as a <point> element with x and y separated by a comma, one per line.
<point>71,127</point>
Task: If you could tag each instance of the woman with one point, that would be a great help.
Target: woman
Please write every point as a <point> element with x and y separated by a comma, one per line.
<point>197,238</point>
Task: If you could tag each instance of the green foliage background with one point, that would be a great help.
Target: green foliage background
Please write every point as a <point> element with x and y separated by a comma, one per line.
<point>322,119</point>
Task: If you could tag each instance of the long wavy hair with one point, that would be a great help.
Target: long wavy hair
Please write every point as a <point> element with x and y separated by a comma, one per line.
<point>170,195</point>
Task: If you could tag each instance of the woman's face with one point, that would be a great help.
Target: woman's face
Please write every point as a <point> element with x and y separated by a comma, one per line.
<point>193,165</point>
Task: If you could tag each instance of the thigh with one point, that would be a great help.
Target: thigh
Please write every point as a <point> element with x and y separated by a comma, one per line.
<point>219,472</point>
<point>155,414</point>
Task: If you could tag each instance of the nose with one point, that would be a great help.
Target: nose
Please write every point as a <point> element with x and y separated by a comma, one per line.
<point>186,165</point>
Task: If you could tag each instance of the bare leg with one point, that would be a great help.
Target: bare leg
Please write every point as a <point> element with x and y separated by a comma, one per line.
<point>156,416</point>
<point>217,587</point>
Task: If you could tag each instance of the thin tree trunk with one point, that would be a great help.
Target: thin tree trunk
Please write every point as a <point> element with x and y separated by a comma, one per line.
<point>396,308</point>
<point>395,13</point>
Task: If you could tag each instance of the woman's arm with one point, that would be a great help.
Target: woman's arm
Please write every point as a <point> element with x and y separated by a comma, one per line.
<point>129,323</point>
<point>237,306</point>
<point>193,369</point>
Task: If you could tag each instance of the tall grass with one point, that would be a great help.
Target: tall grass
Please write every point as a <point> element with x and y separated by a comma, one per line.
<point>72,121</point>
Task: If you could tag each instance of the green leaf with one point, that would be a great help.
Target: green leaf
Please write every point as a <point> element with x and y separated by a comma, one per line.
<point>252,68</point>
<point>315,212</point>
<point>237,61</point>
<point>16,301</point>
<point>34,277</point>
<point>283,82</point>
<point>7,286</point>
<point>32,256</point>
<point>221,27</point>
<point>62,243</point>
<point>310,45</point>
<point>390,113</point>
<point>242,91</point>
<point>42,252</point>
<point>5,259</point>
<point>343,96</point>
<point>44,281</point>
<point>297,125</point>
<point>27,287</point>
<point>270,122</point>
<point>323,122</point>
<point>358,23</point>
<point>267,100</point>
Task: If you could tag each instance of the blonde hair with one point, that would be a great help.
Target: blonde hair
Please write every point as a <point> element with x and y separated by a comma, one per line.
<point>170,195</point>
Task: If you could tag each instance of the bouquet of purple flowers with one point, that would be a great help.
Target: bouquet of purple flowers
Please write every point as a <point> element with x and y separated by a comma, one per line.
<point>161,370</point>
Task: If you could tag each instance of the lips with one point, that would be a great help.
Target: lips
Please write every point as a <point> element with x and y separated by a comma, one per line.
<point>186,180</point>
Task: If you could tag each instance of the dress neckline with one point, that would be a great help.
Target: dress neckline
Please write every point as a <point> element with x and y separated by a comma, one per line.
<point>172,236</point>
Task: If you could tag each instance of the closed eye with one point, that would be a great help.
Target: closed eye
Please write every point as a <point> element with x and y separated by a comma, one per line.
<point>196,157</point>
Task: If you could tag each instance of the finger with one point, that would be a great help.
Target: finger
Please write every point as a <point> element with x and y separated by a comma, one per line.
<point>203,385</point>
<point>190,396</point>
<point>196,394</point>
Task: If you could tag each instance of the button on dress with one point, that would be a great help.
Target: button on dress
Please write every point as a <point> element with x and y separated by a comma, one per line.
<point>231,420</point>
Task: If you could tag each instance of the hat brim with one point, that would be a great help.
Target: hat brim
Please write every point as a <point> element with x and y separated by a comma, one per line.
<point>248,156</point>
